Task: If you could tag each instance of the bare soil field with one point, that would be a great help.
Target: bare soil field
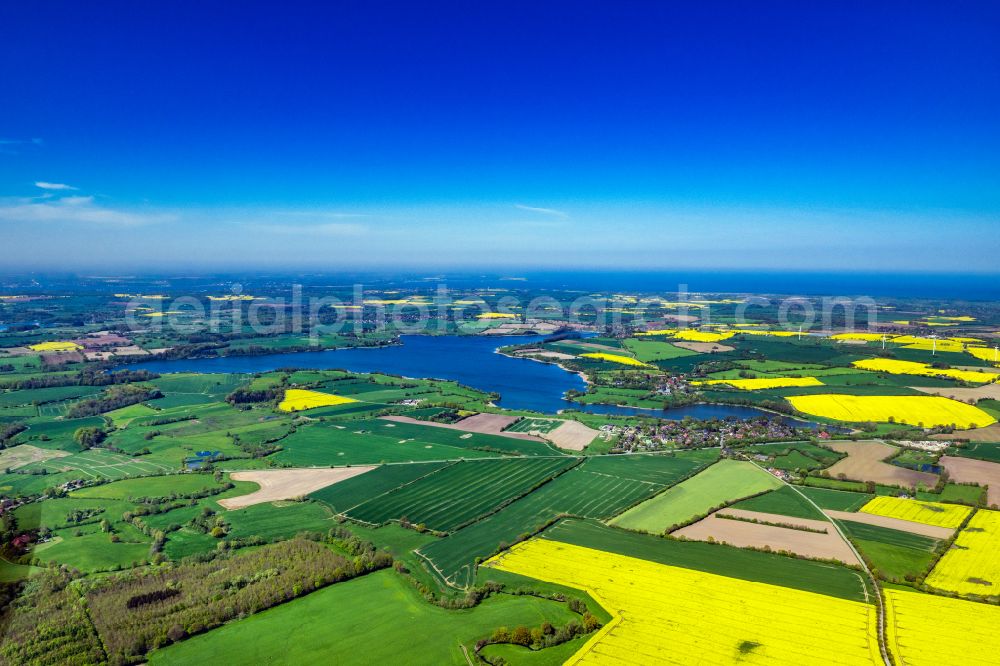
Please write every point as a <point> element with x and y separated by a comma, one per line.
<point>283,484</point>
<point>19,456</point>
<point>892,523</point>
<point>556,355</point>
<point>967,470</point>
<point>572,435</point>
<point>990,433</point>
<point>864,462</point>
<point>702,347</point>
<point>745,534</point>
<point>964,394</point>
<point>490,424</point>
<point>679,317</point>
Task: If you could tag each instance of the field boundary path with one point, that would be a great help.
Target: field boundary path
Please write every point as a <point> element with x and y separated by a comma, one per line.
<point>880,603</point>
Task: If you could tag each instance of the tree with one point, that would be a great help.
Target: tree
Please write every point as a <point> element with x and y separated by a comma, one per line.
<point>89,436</point>
<point>521,635</point>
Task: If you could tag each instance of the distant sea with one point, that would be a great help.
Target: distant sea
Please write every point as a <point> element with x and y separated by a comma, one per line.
<point>979,287</point>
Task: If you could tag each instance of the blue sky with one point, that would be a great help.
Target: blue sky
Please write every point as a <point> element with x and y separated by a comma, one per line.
<point>838,135</point>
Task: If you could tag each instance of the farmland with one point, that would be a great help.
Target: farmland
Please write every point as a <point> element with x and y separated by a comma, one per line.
<point>913,410</point>
<point>437,478</point>
<point>599,488</point>
<point>722,483</point>
<point>785,624</point>
<point>971,566</point>
<point>927,630</point>
<point>339,623</point>
<point>296,400</point>
<point>460,493</point>
<point>928,513</point>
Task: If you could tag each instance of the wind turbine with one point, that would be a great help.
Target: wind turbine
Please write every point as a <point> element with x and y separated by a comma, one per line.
<point>934,337</point>
<point>883,342</point>
<point>800,332</point>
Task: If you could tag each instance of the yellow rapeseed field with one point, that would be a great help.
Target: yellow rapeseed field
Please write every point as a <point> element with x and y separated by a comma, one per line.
<point>692,335</point>
<point>918,511</point>
<point>669,615</point>
<point>777,334</point>
<point>929,410</point>
<point>55,347</point>
<point>615,358</point>
<point>973,565</point>
<point>296,400</point>
<point>764,382</point>
<point>929,630</point>
<point>659,331</point>
<point>496,315</point>
<point>929,344</point>
<point>896,367</point>
<point>985,354</point>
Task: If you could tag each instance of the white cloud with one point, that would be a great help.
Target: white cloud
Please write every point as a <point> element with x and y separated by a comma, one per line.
<point>53,186</point>
<point>543,211</point>
<point>75,210</point>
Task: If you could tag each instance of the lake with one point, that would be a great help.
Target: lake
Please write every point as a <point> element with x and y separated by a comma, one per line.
<point>469,360</point>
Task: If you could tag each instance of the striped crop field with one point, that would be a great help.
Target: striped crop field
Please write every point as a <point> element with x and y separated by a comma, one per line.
<point>460,493</point>
<point>599,488</point>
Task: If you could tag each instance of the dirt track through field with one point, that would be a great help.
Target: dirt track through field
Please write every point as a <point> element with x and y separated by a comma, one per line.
<point>283,484</point>
<point>968,470</point>
<point>743,534</point>
<point>864,462</point>
<point>892,523</point>
<point>485,424</point>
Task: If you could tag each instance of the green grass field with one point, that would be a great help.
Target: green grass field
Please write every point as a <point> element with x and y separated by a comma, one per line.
<point>93,550</point>
<point>722,483</point>
<point>989,451</point>
<point>893,553</point>
<point>363,619</point>
<point>354,443</point>
<point>162,486</point>
<point>45,395</point>
<point>281,520</point>
<point>653,350</point>
<point>796,455</point>
<point>836,500</point>
<point>784,501</point>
